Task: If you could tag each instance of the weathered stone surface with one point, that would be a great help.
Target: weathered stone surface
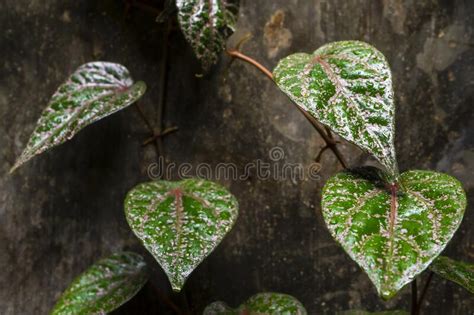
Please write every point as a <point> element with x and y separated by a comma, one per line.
<point>64,210</point>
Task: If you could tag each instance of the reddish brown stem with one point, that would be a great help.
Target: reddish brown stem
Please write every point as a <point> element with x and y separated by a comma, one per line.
<point>161,134</point>
<point>156,134</point>
<point>423,292</point>
<point>253,62</point>
<point>414,298</point>
<point>163,76</point>
<point>393,207</point>
<point>162,296</point>
<point>149,126</point>
<point>330,143</point>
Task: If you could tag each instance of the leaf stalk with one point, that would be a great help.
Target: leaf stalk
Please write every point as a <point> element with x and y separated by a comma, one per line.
<point>325,134</point>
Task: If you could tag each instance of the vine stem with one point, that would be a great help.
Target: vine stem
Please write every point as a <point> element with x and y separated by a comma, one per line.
<point>161,134</point>
<point>423,291</point>
<point>149,126</point>
<point>414,298</point>
<point>166,299</point>
<point>157,133</point>
<point>184,301</point>
<point>237,54</point>
<point>325,134</point>
<point>163,84</point>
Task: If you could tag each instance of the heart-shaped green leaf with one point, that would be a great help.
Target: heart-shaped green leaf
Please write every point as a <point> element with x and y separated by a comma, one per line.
<point>180,223</point>
<point>105,286</point>
<point>262,303</point>
<point>360,312</point>
<point>457,271</point>
<point>206,26</point>
<point>393,234</point>
<point>94,91</point>
<point>348,87</point>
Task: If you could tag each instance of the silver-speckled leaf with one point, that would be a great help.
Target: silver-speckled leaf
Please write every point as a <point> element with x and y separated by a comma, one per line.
<point>207,24</point>
<point>105,286</point>
<point>180,223</point>
<point>94,91</point>
<point>262,303</point>
<point>348,87</point>
<point>457,271</point>
<point>393,234</point>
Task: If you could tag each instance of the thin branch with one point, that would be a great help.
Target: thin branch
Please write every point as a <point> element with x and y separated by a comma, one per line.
<point>144,118</point>
<point>330,143</point>
<point>156,133</point>
<point>149,126</point>
<point>166,299</point>
<point>327,137</point>
<point>162,134</point>
<point>423,292</point>
<point>184,302</point>
<point>318,157</point>
<point>237,54</point>
<point>163,76</point>
<point>414,298</point>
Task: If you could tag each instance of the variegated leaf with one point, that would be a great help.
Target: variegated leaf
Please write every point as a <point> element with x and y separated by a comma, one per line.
<point>348,87</point>
<point>393,233</point>
<point>457,271</point>
<point>94,91</point>
<point>207,24</point>
<point>180,223</point>
<point>105,286</point>
<point>262,303</point>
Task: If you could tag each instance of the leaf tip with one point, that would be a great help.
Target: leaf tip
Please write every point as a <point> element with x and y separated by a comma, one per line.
<point>388,290</point>
<point>141,85</point>
<point>15,166</point>
<point>176,286</point>
<point>387,295</point>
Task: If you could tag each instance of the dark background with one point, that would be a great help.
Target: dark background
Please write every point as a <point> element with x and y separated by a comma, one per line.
<point>63,210</point>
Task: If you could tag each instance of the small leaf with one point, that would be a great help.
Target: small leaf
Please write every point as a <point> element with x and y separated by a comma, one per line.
<point>180,223</point>
<point>105,286</point>
<point>360,312</point>
<point>94,91</point>
<point>393,235</point>
<point>219,308</point>
<point>206,26</point>
<point>262,303</point>
<point>457,271</point>
<point>348,87</point>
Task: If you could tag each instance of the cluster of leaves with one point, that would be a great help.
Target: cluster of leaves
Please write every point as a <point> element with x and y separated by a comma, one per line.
<point>393,225</point>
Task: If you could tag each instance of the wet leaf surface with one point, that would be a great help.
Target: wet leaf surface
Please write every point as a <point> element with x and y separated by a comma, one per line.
<point>105,286</point>
<point>347,86</point>
<point>180,223</point>
<point>393,237</point>
<point>262,303</point>
<point>206,26</point>
<point>95,90</point>
<point>457,271</point>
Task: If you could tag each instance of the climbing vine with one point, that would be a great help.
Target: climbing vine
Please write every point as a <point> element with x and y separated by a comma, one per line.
<point>393,225</point>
